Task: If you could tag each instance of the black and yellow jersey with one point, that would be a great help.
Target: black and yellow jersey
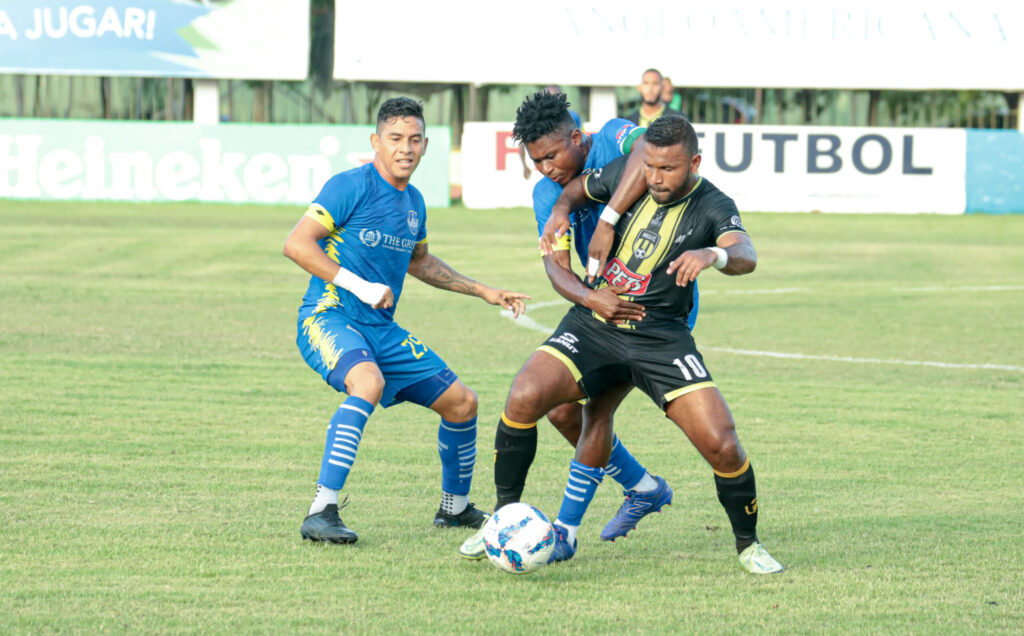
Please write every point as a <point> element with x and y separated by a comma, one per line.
<point>649,236</point>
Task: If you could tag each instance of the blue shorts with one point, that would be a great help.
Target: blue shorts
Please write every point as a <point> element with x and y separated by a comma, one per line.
<point>331,344</point>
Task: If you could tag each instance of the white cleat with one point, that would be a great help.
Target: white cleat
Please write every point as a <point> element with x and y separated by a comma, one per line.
<point>473,547</point>
<point>756,560</point>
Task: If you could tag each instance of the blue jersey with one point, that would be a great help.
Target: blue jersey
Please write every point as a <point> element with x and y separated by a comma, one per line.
<point>613,140</point>
<point>374,228</point>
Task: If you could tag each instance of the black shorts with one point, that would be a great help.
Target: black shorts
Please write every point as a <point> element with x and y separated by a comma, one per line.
<point>659,359</point>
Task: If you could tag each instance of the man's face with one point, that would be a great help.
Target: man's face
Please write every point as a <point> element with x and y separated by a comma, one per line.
<point>650,88</point>
<point>667,171</point>
<point>558,156</point>
<point>399,144</point>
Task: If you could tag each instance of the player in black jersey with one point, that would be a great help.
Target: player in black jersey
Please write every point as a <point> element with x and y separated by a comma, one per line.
<point>681,227</point>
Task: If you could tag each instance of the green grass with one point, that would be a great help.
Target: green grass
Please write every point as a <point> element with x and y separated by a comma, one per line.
<point>160,437</point>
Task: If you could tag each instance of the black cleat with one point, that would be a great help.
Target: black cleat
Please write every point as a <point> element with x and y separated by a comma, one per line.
<point>326,525</point>
<point>468,518</point>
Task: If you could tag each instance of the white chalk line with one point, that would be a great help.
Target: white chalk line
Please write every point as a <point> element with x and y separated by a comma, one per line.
<point>529,323</point>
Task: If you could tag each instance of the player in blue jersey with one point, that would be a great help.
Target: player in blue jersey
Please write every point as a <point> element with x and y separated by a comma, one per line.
<point>361,235</point>
<point>561,151</point>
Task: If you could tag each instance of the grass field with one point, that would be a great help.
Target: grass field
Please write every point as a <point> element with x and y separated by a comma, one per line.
<point>160,436</point>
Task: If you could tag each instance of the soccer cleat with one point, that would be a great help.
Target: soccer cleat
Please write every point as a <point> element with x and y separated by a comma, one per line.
<point>563,551</point>
<point>756,560</point>
<point>468,518</point>
<point>327,526</point>
<point>473,547</point>
<point>637,506</point>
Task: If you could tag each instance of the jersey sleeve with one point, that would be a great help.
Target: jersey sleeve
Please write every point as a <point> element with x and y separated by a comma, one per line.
<point>333,207</point>
<point>725,218</point>
<point>545,194</point>
<point>622,133</point>
<point>600,184</point>
<point>421,210</point>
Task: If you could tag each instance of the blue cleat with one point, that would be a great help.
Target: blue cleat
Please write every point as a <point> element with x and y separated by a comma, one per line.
<point>563,551</point>
<point>637,506</point>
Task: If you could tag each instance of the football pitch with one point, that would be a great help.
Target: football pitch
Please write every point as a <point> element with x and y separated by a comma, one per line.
<point>160,436</point>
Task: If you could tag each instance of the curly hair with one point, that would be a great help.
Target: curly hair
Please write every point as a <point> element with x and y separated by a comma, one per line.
<point>670,130</point>
<point>540,115</point>
<point>399,107</point>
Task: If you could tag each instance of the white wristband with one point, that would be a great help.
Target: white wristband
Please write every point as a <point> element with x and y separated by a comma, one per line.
<point>369,293</point>
<point>723,257</point>
<point>610,216</point>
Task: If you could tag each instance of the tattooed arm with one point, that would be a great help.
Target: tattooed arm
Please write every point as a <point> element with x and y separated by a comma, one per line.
<point>433,271</point>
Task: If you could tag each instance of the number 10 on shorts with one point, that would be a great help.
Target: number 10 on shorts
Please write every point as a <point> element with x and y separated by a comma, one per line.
<point>690,366</point>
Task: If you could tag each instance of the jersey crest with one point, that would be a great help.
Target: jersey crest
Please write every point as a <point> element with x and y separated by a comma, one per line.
<point>413,222</point>
<point>645,244</point>
<point>618,275</point>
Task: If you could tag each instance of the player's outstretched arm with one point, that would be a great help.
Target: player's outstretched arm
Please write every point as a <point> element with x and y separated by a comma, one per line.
<point>435,272</point>
<point>734,255</point>
<point>302,247</point>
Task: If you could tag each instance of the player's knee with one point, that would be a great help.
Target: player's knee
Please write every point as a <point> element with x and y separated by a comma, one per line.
<point>723,451</point>
<point>466,407</point>
<point>367,383</point>
<point>523,401</point>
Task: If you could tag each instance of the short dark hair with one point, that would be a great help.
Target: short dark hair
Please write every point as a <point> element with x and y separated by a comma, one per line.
<point>653,70</point>
<point>540,115</point>
<point>397,107</point>
<point>669,130</point>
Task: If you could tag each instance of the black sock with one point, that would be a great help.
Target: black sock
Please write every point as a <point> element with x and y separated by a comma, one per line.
<point>514,449</point>
<point>738,495</point>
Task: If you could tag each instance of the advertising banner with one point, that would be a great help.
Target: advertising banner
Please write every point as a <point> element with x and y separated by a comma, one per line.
<point>233,163</point>
<point>870,44</point>
<point>772,168</point>
<point>230,39</point>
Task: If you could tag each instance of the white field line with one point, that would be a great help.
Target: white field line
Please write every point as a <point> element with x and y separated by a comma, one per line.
<point>529,323</point>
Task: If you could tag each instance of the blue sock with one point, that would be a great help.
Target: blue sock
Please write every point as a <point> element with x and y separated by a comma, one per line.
<point>623,467</point>
<point>583,483</point>
<point>343,435</point>
<point>456,444</point>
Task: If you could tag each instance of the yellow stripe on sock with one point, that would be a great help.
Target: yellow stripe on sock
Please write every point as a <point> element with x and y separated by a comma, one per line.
<point>739,472</point>
<point>518,425</point>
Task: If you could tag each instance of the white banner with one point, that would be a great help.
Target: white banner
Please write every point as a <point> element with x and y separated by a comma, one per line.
<point>772,168</point>
<point>871,44</point>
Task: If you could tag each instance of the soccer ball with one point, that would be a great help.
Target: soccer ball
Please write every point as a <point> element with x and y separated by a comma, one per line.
<point>518,538</point>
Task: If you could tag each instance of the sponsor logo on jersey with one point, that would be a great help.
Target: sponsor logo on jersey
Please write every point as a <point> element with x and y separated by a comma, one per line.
<point>617,274</point>
<point>370,238</point>
<point>645,244</point>
<point>414,222</point>
<point>735,220</point>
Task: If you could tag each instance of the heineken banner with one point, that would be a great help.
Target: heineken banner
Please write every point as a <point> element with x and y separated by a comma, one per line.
<point>166,161</point>
<point>239,39</point>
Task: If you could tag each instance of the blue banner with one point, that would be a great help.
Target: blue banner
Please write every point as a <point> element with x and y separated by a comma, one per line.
<point>162,38</point>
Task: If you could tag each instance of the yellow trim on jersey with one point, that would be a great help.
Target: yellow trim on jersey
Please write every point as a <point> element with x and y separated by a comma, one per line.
<point>586,190</point>
<point>576,375</point>
<point>422,242</point>
<point>562,244</point>
<point>521,426</point>
<point>743,469</point>
<point>671,395</point>
<point>628,324</point>
<point>731,232</point>
<point>320,214</point>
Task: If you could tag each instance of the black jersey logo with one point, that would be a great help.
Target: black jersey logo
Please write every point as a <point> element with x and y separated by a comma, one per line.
<point>645,244</point>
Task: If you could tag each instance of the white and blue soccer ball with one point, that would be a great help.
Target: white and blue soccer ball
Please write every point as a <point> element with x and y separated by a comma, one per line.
<point>519,538</point>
